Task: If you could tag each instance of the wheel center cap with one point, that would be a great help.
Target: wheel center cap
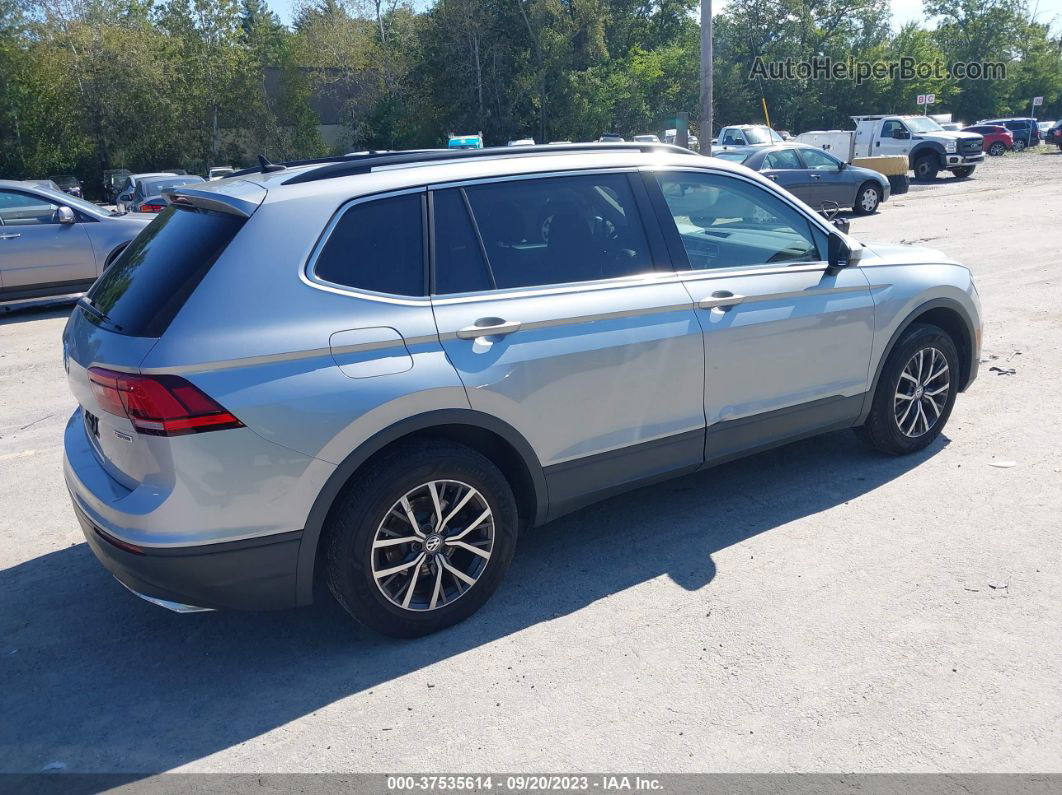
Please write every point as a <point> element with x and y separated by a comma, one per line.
<point>919,392</point>
<point>433,543</point>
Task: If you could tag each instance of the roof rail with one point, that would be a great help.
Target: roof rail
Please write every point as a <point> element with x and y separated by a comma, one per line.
<point>363,164</point>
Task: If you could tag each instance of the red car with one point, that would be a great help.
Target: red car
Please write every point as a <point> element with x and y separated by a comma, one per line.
<point>998,139</point>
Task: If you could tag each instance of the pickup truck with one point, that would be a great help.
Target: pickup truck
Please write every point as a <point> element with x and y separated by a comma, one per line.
<point>928,147</point>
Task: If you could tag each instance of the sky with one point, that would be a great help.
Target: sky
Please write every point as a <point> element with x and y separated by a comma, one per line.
<point>902,10</point>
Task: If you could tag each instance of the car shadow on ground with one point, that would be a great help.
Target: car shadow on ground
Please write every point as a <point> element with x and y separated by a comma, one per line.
<point>17,313</point>
<point>98,680</point>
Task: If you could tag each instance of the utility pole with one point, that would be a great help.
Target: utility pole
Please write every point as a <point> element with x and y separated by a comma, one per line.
<point>706,77</point>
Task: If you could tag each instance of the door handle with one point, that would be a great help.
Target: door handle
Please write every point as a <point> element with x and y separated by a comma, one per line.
<point>488,327</point>
<point>10,236</point>
<point>773,176</point>
<point>720,299</point>
<point>816,176</point>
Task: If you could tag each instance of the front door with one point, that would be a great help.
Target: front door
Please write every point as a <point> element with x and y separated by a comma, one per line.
<point>887,144</point>
<point>829,183</point>
<point>36,251</point>
<point>563,317</point>
<point>787,345</point>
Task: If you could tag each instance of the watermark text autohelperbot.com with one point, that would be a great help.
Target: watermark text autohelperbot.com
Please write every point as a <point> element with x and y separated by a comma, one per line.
<point>845,69</point>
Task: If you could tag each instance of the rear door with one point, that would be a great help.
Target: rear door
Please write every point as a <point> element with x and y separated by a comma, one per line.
<point>785,168</point>
<point>36,251</point>
<point>787,344</point>
<point>560,311</point>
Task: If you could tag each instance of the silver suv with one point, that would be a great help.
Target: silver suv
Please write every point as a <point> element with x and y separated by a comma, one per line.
<point>378,370</point>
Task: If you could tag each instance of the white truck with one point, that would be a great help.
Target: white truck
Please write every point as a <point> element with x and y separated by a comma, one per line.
<point>927,146</point>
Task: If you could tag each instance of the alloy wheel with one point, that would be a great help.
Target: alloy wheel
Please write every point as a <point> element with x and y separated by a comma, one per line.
<point>869,200</point>
<point>922,392</point>
<point>433,545</point>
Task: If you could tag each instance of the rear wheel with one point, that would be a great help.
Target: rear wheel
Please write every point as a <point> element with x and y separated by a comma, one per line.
<point>926,167</point>
<point>867,199</point>
<point>915,393</point>
<point>421,540</point>
<point>1019,146</point>
<point>997,149</point>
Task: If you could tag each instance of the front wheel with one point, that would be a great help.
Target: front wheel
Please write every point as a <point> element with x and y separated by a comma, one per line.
<point>962,172</point>
<point>915,393</point>
<point>868,199</point>
<point>926,168</point>
<point>421,540</point>
<point>997,149</point>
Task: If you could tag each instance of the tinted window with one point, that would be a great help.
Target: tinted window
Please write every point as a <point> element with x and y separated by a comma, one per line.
<point>783,159</point>
<point>819,160</point>
<point>560,229</point>
<point>378,246</point>
<point>146,286</point>
<point>459,263</point>
<point>725,222</point>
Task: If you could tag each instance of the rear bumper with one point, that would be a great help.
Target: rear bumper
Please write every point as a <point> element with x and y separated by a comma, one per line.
<point>255,574</point>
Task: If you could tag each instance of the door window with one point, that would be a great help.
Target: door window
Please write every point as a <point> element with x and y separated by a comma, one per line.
<point>818,160</point>
<point>25,209</point>
<point>782,159</point>
<point>890,127</point>
<point>550,231</point>
<point>378,246</point>
<point>725,222</point>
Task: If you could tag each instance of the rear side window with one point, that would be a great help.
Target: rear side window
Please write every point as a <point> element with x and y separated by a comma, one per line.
<point>378,246</point>
<point>146,286</point>
<point>557,230</point>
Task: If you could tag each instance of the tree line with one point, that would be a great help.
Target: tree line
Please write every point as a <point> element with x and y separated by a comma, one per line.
<point>87,85</point>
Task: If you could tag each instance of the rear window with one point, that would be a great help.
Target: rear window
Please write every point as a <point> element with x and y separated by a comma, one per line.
<point>147,285</point>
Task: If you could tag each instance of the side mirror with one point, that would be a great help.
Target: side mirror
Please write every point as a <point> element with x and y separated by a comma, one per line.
<point>65,215</point>
<point>837,253</point>
<point>841,223</point>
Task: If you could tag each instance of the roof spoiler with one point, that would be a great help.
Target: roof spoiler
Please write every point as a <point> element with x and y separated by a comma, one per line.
<point>236,197</point>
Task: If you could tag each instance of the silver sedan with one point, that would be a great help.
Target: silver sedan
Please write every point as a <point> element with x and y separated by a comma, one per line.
<point>53,244</point>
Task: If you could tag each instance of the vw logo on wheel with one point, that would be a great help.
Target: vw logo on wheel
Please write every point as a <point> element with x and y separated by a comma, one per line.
<point>432,543</point>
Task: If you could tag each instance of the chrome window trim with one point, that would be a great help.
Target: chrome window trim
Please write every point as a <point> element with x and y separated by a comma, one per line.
<point>309,277</point>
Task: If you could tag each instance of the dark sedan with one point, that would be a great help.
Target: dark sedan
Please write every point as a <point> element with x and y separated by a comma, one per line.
<point>814,176</point>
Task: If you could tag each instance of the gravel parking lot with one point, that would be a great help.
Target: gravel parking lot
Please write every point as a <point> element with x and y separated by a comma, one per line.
<point>815,608</point>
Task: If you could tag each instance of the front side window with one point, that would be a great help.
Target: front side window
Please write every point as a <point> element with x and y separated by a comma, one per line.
<point>378,246</point>
<point>25,209</point>
<point>782,159</point>
<point>733,138</point>
<point>819,160</point>
<point>557,230</point>
<point>725,222</point>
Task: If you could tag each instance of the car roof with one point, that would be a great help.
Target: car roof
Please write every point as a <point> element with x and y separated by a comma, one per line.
<point>274,186</point>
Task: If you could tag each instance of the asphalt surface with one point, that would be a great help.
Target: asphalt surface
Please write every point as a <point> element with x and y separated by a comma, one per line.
<point>816,608</point>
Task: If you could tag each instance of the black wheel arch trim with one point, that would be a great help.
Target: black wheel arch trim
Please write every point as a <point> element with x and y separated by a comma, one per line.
<point>422,422</point>
<point>912,317</point>
<point>925,148</point>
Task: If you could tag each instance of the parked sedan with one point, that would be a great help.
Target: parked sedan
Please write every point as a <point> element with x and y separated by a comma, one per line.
<point>997,138</point>
<point>53,244</point>
<point>124,201</point>
<point>815,176</point>
<point>148,195</point>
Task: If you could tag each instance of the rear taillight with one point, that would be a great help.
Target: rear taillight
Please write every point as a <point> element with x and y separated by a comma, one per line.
<point>151,208</point>
<point>159,405</point>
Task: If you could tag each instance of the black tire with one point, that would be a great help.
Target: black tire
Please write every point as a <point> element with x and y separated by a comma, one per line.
<point>997,149</point>
<point>355,519</point>
<point>962,172</point>
<point>1019,145</point>
<point>926,168</point>
<point>864,204</point>
<point>882,429</point>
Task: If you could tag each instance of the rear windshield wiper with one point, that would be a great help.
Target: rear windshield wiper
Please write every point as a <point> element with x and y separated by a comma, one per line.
<point>86,303</point>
